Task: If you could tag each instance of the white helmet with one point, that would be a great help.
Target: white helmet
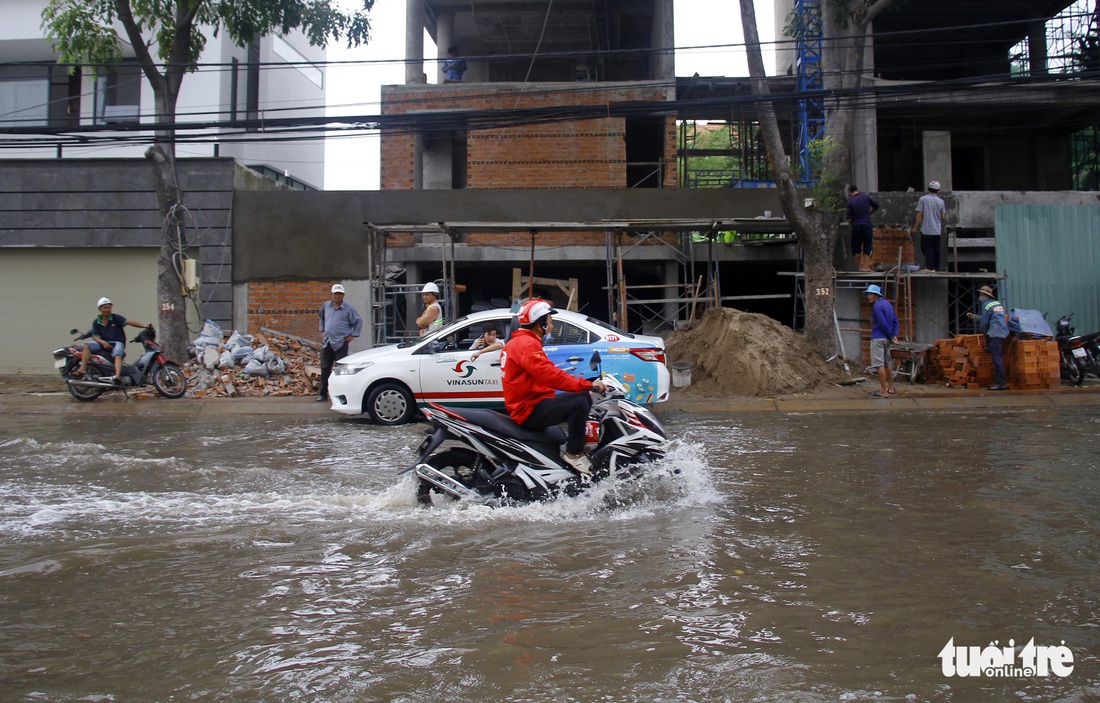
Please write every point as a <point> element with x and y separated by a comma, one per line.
<point>430,287</point>
<point>534,310</point>
<point>933,185</point>
<point>103,301</point>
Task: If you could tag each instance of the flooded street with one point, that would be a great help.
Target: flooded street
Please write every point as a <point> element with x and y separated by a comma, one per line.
<point>818,557</point>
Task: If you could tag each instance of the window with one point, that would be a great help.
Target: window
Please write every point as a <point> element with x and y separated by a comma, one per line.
<point>24,96</point>
<point>118,95</point>
<point>462,338</point>
<point>567,333</point>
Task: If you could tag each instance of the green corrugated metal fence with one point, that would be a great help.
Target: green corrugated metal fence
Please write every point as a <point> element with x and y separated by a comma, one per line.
<point>1051,256</point>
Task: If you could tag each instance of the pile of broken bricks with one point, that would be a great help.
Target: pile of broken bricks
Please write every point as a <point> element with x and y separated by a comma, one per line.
<point>302,376</point>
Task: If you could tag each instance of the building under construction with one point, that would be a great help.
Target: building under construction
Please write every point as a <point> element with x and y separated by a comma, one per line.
<point>566,98</point>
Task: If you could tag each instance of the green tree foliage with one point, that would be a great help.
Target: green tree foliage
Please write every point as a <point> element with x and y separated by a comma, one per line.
<point>167,39</point>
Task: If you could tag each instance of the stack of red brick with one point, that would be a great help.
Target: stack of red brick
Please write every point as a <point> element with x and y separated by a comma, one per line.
<point>965,362</point>
<point>1033,365</point>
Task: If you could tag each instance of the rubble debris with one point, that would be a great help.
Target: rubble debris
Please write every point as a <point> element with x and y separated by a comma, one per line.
<point>734,353</point>
<point>300,362</point>
<point>964,362</point>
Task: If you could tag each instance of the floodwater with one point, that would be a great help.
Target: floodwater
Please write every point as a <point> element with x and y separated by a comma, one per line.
<point>819,557</point>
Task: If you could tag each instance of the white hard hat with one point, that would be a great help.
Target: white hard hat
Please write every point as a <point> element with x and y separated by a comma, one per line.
<point>933,185</point>
<point>430,287</point>
<point>103,301</point>
<point>337,288</point>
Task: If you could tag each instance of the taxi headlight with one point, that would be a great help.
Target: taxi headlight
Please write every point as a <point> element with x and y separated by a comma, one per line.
<point>350,369</point>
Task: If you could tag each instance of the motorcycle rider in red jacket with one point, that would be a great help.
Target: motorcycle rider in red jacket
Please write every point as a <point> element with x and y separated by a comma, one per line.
<point>530,380</point>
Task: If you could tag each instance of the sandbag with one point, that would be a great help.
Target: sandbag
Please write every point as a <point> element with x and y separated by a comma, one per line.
<point>211,329</point>
<point>256,368</point>
<point>238,340</point>
<point>226,361</point>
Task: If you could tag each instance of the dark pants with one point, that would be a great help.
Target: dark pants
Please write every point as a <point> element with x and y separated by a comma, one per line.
<point>330,356</point>
<point>571,408</point>
<point>930,245</point>
<point>863,239</point>
<point>996,348</point>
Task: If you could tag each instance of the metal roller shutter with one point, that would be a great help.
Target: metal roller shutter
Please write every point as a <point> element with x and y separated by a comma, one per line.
<point>46,292</point>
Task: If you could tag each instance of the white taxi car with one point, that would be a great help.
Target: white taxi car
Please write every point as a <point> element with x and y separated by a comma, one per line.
<point>389,383</point>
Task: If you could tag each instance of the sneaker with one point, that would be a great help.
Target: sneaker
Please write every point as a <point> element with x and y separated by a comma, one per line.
<point>999,387</point>
<point>579,463</point>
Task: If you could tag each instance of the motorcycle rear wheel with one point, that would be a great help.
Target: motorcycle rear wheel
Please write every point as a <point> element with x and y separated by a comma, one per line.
<point>84,393</point>
<point>457,463</point>
<point>170,381</point>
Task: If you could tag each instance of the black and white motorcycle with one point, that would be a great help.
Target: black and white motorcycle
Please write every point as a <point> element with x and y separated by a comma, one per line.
<point>482,455</point>
<point>153,367</point>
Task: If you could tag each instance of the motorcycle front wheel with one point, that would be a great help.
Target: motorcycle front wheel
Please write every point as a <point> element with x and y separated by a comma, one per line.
<point>170,381</point>
<point>456,463</point>
<point>1072,371</point>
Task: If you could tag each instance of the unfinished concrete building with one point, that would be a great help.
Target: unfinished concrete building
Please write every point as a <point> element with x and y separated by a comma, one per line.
<point>571,97</point>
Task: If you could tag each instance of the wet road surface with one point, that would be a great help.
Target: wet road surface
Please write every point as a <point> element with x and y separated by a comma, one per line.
<point>808,557</point>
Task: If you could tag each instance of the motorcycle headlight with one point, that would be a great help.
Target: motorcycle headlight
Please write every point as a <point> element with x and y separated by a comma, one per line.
<point>351,369</point>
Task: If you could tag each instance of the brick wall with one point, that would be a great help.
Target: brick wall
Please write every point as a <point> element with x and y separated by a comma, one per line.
<point>588,153</point>
<point>887,242</point>
<point>287,306</point>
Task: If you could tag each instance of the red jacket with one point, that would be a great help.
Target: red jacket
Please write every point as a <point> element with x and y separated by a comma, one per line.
<point>529,377</point>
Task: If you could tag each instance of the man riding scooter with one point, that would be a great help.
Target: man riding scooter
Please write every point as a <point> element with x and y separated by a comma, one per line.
<point>530,379</point>
<point>107,333</point>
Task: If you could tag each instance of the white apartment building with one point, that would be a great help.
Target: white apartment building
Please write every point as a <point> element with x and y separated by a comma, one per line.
<point>276,77</point>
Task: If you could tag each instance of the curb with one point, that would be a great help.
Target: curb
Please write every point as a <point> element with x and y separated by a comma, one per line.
<point>61,403</point>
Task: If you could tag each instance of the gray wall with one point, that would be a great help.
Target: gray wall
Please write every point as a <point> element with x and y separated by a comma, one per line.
<point>111,203</point>
<point>311,235</point>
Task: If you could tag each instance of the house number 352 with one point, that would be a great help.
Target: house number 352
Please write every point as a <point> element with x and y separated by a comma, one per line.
<point>823,292</point>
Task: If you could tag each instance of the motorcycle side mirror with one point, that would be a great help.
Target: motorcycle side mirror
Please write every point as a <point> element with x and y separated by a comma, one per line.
<point>74,331</point>
<point>594,362</point>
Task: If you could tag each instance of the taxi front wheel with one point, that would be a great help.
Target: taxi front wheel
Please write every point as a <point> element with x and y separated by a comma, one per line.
<point>390,404</point>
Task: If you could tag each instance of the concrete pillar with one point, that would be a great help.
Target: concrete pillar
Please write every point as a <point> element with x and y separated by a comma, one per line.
<point>413,304</point>
<point>358,295</point>
<point>670,274</point>
<point>865,150</point>
<point>664,63</point>
<point>1037,48</point>
<point>414,42</point>
<point>937,158</point>
<point>444,37</point>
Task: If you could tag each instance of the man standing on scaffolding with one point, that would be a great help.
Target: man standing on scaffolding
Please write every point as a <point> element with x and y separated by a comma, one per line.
<point>860,207</point>
<point>930,212</point>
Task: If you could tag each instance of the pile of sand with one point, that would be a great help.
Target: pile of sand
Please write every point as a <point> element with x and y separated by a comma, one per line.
<point>734,353</point>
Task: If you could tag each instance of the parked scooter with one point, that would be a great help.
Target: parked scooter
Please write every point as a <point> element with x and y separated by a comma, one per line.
<point>1073,351</point>
<point>1092,349</point>
<point>491,459</point>
<point>151,368</point>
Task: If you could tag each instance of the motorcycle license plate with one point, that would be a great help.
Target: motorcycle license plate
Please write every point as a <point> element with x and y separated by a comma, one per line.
<point>59,363</point>
<point>1079,352</point>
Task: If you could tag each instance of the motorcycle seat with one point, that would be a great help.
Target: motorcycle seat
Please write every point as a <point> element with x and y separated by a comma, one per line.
<point>499,423</point>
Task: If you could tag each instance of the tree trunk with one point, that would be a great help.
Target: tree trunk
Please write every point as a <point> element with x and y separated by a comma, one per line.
<point>816,240</point>
<point>171,304</point>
